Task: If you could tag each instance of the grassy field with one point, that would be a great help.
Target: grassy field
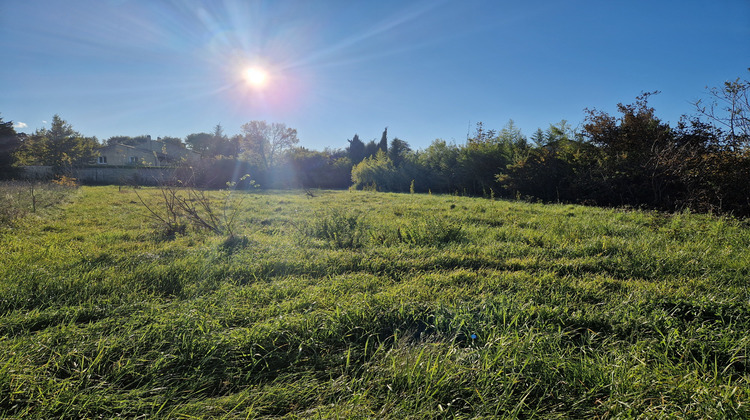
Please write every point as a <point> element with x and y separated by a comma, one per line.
<point>372,305</point>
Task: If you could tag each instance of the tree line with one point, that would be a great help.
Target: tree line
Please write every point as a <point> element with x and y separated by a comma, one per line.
<point>630,159</point>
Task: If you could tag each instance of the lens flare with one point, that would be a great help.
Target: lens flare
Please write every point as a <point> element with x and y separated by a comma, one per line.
<point>256,77</point>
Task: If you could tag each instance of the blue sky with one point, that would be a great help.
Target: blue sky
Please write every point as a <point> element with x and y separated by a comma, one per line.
<point>425,69</point>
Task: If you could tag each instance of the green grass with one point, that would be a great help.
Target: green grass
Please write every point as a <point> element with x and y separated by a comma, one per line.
<point>21,198</point>
<point>364,304</point>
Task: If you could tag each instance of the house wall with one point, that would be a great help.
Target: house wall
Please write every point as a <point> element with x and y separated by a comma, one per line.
<point>119,155</point>
<point>122,176</point>
<point>37,172</point>
<point>106,174</point>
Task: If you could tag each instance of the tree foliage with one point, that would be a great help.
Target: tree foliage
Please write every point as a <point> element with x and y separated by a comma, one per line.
<point>211,145</point>
<point>265,143</point>
<point>549,170</point>
<point>438,167</point>
<point>629,158</point>
<point>9,144</point>
<point>200,143</point>
<point>398,151</point>
<point>371,149</point>
<point>60,146</point>
<point>356,149</point>
<point>488,153</point>
<point>175,141</point>
<point>729,108</point>
<point>128,140</point>
<point>315,169</point>
<point>383,144</point>
<point>627,168</point>
<point>635,159</point>
<point>378,172</point>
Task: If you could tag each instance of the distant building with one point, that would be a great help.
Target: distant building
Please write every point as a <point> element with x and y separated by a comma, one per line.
<point>148,153</point>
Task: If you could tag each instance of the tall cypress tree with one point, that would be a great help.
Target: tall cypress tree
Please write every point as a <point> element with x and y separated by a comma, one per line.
<point>383,145</point>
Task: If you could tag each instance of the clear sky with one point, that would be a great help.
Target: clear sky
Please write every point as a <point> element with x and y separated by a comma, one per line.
<point>425,69</point>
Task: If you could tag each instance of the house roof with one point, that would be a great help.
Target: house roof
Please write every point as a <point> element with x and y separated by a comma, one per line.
<point>160,148</point>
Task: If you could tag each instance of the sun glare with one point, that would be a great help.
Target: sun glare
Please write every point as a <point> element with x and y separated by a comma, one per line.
<point>256,77</point>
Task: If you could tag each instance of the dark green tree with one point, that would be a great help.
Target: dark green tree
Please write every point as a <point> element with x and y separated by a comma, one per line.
<point>383,145</point>
<point>200,143</point>
<point>221,145</point>
<point>371,149</point>
<point>438,167</point>
<point>314,169</point>
<point>398,151</point>
<point>128,140</point>
<point>356,149</point>
<point>9,144</point>
<point>485,155</point>
<point>538,138</point>
<point>176,141</point>
<point>481,136</point>
<point>628,171</point>
<point>513,143</point>
<point>59,146</point>
<point>214,144</point>
<point>549,170</point>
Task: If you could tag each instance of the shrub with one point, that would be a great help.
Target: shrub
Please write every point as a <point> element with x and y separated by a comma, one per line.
<point>184,205</point>
<point>65,181</point>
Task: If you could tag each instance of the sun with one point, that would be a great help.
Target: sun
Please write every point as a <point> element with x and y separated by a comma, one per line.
<point>256,77</point>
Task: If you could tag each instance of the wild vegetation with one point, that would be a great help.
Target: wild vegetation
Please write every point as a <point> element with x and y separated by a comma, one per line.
<point>633,159</point>
<point>19,199</point>
<point>366,304</point>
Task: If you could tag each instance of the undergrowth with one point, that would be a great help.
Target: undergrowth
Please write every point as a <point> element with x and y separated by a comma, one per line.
<point>21,198</point>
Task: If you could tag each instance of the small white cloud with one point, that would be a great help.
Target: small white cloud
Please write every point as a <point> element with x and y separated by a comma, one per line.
<point>44,122</point>
<point>20,124</point>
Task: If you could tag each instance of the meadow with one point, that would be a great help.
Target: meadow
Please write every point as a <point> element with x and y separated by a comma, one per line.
<point>370,305</point>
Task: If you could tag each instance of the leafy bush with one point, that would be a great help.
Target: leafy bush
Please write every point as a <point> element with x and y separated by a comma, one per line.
<point>379,171</point>
<point>65,181</point>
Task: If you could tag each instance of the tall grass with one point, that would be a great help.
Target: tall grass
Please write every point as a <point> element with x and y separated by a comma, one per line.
<point>361,304</point>
<point>21,198</point>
